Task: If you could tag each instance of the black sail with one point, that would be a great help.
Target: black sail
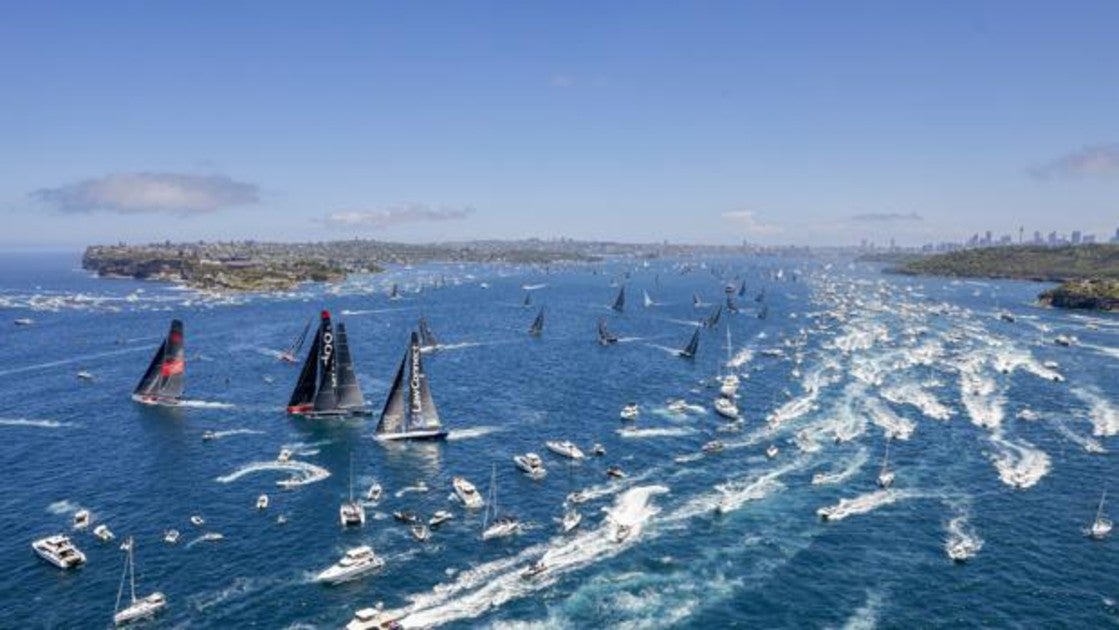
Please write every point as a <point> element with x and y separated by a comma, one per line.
<point>393,414</point>
<point>537,324</point>
<point>164,376</point>
<point>620,301</point>
<point>605,337</point>
<point>326,380</point>
<point>693,345</point>
<point>713,321</point>
<point>742,289</point>
<point>303,396</point>
<point>348,392</point>
<point>528,299</point>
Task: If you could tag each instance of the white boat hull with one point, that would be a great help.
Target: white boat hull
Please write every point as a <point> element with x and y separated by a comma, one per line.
<point>144,608</point>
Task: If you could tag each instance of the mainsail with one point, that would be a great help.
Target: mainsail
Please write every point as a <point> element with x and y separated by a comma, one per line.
<point>528,300</point>
<point>410,410</point>
<point>163,381</point>
<point>395,293</point>
<point>693,345</point>
<point>537,324</point>
<point>620,301</point>
<point>762,314</point>
<point>348,391</point>
<point>327,383</point>
<point>742,289</point>
<point>605,337</point>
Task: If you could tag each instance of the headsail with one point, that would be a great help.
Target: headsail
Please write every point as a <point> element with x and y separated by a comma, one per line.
<point>742,289</point>
<point>163,379</point>
<point>713,320</point>
<point>528,300</point>
<point>348,392</point>
<point>393,415</point>
<point>648,300</point>
<point>537,324</point>
<point>689,351</point>
<point>297,345</point>
<point>605,337</point>
<point>620,301</point>
<point>762,314</point>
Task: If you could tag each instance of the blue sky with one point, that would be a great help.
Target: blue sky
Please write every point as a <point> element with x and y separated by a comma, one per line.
<point>780,122</point>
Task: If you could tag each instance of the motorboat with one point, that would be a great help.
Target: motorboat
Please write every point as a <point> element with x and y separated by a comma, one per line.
<point>440,517</point>
<point>467,493</point>
<point>534,569</point>
<point>1006,316</point>
<point>677,406</point>
<point>59,551</point>
<point>374,493</point>
<point>726,408</point>
<point>615,472</point>
<point>577,497</point>
<point>139,607</point>
<point>531,464</point>
<point>357,562</point>
<point>1063,340</point>
<point>714,446</point>
<point>728,387</point>
<point>212,537</point>
<point>571,519</point>
<point>85,375</point>
<point>565,448</point>
<point>598,450</point>
<point>826,512</point>
<point>284,456</point>
<point>771,451</point>
<point>406,516</point>
<point>630,412</point>
<point>819,478</point>
<point>208,435</point>
<point>372,619</point>
<point>82,519</point>
<point>420,532</point>
<point>24,321</point>
<point>103,533</point>
<point>197,521</point>
<point>622,532</point>
<point>171,536</point>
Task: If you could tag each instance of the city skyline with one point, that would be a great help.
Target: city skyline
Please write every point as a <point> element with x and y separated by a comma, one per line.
<point>713,124</point>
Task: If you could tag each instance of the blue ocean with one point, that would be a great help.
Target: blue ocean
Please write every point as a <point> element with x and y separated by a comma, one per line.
<point>1000,440</point>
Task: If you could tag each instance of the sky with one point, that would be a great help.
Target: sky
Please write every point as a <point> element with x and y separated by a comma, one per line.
<point>812,123</point>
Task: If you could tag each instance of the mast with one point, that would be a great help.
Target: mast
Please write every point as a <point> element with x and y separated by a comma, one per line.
<point>123,574</point>
<point>131,571</point>
<point>1099,510</point>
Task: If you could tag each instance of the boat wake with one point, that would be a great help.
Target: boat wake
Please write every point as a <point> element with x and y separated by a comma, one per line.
<point>1090,445</point>
<point>962,542</point>
<point>862,504</point>
<point>654,432</point>
<point>64,506</point>
<point>1019,464</point>
<point>892,424</point>
<point>206,404</point>
<point>217,435</point>
<point>865,617</point>
<point>854,465</point>
<point>980,396</point>
<point>913,394</point>
<point>1103,414</point>
<point>794,409</point>
<point>742,357</point>
<point>29,422</point>
<point>473,432</point>
<point>302,473</point>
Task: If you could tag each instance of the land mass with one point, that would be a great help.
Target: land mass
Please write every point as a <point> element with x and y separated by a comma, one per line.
<point>1088,274</point>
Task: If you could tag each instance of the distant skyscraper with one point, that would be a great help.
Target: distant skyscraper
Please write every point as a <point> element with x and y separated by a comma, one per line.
<point>987,238</point>
<point>1037,237</point>
<point>1115,239</point>
<point>1053,238</point>
<point>1075,237</point>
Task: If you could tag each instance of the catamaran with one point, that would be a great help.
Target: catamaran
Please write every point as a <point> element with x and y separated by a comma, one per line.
<point>1101,526</point>
<point>428,342</point>
<point>885,475</point>
<point>59,551</point>
<point>327,386</point>
<point>409,412</point>
<point>140,607</point>
<point>537,324</point>
<point>352,512</point>
<point>292,353</point>
<point>162,384</point>
<point>357,562</point>
<point>620,301</point>
<point>501,526</point>
<point>689,350</point>
<point>605,337</point>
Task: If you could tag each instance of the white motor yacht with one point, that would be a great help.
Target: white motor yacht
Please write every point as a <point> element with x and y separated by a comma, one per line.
<point>571,520</point>
<point>212,537</point>
<point>771,451</point>
<point>714,446</point>
<point>197,521</point>
<point>622,532</point>
<point>85,375</point>
<point>375,492</point>
<point>729,386</point>
<point>598,450</point>
<point>678,406</point>
<point>372,619</point>
<point>531,464</point>
<point>171,536</point>
<point>59,551</point>
<point>421,532</point>
<point>103,533</point>
<point>565,448</point>
<point>262,502</point>
<point>82,519</point>
<point>534,569</point>
<point>630,412</point>
<point>208,436</point>
<point>440,517</point>
<point>284,456</point>
<point>357,562</point>
<point>726,408</point>
<point>577,497</point>
<point>467,493</point>
<point>140,607</point>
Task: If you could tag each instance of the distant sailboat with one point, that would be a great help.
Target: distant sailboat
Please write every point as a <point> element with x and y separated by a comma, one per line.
<point>620,301</point>
<point>327,385</point>
<point>689,351</point>
<point>713,320</point>
<point>162,384</point>
<point>696,302</point>
<point>537,324</point>
<point>528,300</point>
<point>742,289</point>
<point>648,300</point>
<point>764,313</point>
<point>409,412</point>
<point>760,297</point>
<point>291,355</point>
<point>395,293</point>
<point>428,342</point>
<point>731,306</point>
<point>605,337</point>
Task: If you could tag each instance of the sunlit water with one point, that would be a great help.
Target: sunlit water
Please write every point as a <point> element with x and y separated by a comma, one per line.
<point>987,445</point>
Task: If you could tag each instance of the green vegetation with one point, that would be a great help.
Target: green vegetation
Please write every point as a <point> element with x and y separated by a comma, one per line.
<point>1100,295</point>
<point>1023,262</point>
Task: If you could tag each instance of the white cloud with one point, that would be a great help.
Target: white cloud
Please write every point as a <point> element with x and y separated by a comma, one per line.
<point>562,81</point>
<point>749,224</point>
<point>1099,160</point>
<point>135,193</point>
<point>408,213</point>
<point>885,217</point>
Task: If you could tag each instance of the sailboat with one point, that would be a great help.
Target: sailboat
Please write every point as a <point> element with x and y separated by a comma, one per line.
<point>689,350</point>
<point>537,324</point>
<point>162,384</point>
<point>528,300</point>
<point>1101,527</point>
<point>428,342</point>
<point>409,412</point>
<point>731,306</point>
<point>395,293</point>
<point>352,512</point>
<point>501,526</point>
<point>648,300</point>
<point>327,385</point>
<point>605,337</point>
<point>728,385</point>
<point>620,301</point>
<point>885,475</point>
<point>139,608</point>
<point>713,320</point>
<point>696,302</point>
<point>762,314</point>
<point>742,289</point>
<point>292,353</point>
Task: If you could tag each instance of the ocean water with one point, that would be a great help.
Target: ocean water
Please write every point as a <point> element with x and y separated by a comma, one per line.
<point>987,446</point>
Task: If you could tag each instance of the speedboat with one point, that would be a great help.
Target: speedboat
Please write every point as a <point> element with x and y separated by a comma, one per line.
<point>351,513</point>
<point>197,520</point>
<point>726,408</point>
<point>420,532</point>
<point>85,376</point>
<point>577,497</point>
<point>502,527</point>
<point>171,536</point>
<point>630,412</point>
<point>375,492</point>
<point>262,502</point>
<point>24,321</point>
<point>622,532</point>
<point>885,478</point>
<point>82,519</point>
<point>678,406</point>
<point>440,517</point>
<point>212,537</point>
<point>1006,316</point>
<point>142,608</point>
<point>826,512</point>
<point>571,520</point>
<point>372,619</point>
<point>771,451</point>
<point>959,550</point>
<point>357,562</point>
<point>534,569</point>
<point>1063,340</point>
<point>565,448</point>
<point>615,472</point>
<point>208,435</point>
<point>59,551</point>
<point>284,456</point>
<point>714,446</point>
<point>406,516</point>
<point>531,464</point>
<point>467,493</point>
<point>103,533</point>
<point>598,450</point>
<point>819,478</point>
